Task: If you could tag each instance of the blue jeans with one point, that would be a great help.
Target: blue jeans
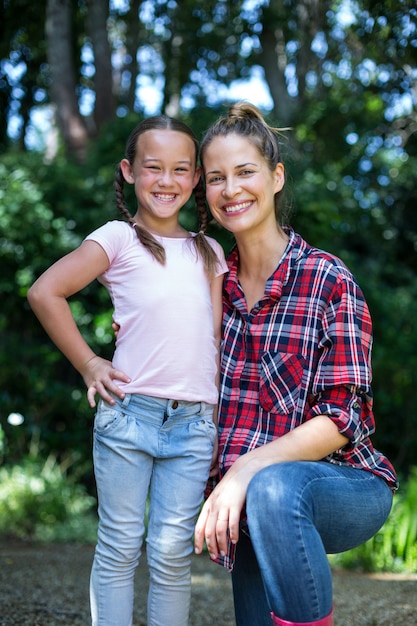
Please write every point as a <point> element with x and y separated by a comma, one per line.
<point>164,447</point>
<point>297,512</point>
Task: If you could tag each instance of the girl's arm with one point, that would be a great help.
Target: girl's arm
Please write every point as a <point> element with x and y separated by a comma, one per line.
<point>216,290</point>
<point>48,299</point>
<point>311,441</point>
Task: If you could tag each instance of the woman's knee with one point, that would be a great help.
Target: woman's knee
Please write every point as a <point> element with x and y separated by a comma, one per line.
<point>273,488</point>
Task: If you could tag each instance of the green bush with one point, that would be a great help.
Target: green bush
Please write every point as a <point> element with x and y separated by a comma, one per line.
<point>39,500</point>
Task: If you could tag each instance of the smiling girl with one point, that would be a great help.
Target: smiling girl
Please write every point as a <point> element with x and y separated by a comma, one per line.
<point>154,429</point>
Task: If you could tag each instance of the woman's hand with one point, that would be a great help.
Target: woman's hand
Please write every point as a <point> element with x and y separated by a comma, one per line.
<point>311,441</point>
<point>221,512</point>
<point>99,376</point>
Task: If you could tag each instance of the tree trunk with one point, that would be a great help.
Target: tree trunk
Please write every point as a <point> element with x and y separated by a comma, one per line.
<point>274,59</point>
<point>308,16</point>
<point>133,40</point>
<point>63,82</point>
<point>105,105</point>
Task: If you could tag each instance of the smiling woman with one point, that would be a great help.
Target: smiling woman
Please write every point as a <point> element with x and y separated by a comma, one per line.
<point>297,466</point>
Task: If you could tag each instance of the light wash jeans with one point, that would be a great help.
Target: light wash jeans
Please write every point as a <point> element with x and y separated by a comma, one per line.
<point>297,512</point>
<point>164,447</point>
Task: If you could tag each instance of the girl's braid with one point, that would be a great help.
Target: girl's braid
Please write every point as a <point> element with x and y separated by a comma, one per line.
<point>204,248</point>
<point>145,237</point>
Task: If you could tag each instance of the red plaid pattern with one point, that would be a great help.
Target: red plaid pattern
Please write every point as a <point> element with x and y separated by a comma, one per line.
<point>303,350</point>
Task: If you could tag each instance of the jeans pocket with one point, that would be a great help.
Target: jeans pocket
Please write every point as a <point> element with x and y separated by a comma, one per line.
<point>107,417</point>
<point>280,380</point>
<point>206,428</point>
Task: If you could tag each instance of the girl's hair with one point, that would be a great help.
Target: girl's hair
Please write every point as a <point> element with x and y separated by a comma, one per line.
<point>246,120</point>
<point>203,247</point>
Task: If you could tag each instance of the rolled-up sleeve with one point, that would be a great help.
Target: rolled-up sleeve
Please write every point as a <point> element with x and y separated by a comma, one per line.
<point>342,382</point>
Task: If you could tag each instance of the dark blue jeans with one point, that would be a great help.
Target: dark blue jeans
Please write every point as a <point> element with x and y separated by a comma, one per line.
<point>297,512</point>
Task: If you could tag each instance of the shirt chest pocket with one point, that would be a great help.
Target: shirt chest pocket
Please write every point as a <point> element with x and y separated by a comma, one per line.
<point>280,379</point>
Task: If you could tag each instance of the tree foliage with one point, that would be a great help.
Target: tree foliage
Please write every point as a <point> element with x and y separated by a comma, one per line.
<point>342,75</point>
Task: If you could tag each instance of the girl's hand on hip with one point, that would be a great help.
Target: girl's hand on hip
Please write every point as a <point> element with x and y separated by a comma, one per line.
<point>99,376</point>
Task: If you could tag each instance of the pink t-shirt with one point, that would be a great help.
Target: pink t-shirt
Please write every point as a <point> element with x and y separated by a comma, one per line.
<point>166,339</point>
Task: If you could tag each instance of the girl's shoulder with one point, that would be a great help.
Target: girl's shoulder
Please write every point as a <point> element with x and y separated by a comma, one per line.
<point>113,236</point>
<point>113,226</point>
<point>114,229</point>
<point>216,246</point>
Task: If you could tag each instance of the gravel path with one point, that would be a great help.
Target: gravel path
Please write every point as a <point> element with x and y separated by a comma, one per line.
<point>47,585</point>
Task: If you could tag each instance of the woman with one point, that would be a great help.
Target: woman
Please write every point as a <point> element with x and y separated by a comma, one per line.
<point>299,475</point>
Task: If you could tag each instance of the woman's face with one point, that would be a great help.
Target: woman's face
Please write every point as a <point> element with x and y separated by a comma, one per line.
<point>240,186</point>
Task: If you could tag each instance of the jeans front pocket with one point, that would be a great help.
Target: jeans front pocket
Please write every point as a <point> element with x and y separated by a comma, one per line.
<point>107,417</point>
<point>204,427</point>
<point>280,380</point>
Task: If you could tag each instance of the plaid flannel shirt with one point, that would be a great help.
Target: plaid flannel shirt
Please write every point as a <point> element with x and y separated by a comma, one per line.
<point>303,350</point>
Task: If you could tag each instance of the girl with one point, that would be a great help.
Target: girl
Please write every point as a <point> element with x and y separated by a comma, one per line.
<point>295,411</point>
<point>154,427</point>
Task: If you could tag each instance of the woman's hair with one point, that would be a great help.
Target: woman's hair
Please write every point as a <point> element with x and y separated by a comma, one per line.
<point>246,120</point>
<point>203,247</point>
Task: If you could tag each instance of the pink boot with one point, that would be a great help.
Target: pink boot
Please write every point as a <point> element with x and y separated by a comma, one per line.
<point>325,621</point>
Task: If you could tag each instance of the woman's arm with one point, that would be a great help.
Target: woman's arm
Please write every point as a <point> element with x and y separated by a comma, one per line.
<point>48,299</point>
<point>311,441</point>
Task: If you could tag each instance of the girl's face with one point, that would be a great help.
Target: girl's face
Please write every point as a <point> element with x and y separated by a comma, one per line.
<point>240,186</point>
<point>164,174</point>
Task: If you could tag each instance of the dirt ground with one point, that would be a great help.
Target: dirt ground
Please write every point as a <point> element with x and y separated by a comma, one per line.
<point>47,585</point>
